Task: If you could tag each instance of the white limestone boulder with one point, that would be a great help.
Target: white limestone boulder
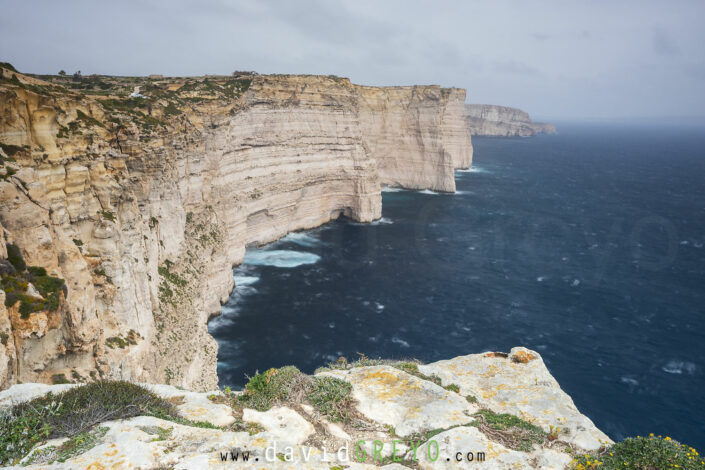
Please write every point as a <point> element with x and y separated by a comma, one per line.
<point>519,384</point>
<point>409,404</point>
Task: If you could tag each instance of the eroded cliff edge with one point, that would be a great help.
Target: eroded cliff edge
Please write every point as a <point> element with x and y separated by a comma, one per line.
<point>503,121</point>
<point>413,411</point>
<point>137,206</point>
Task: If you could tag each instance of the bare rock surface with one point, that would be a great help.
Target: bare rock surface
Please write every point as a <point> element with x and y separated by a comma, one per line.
<point>519,384</point>
<point>407,403</point>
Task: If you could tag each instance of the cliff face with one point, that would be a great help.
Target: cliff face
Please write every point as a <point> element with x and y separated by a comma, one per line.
<point>140,207</point>
<point>433,144</point>
<point>491,120</point>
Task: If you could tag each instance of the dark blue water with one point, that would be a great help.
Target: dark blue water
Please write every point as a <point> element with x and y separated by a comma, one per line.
<point>586,246</point>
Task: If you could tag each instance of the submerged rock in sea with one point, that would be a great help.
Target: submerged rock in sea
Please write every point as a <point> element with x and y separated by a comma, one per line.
<point>489,410</point>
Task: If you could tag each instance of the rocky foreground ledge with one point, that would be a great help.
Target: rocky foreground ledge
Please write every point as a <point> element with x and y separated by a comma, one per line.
<point>490,410</point>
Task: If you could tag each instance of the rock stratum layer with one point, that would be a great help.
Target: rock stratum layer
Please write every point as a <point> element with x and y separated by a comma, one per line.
<point>502,121</point>
<point>129,210</point>
<point>421,421</point>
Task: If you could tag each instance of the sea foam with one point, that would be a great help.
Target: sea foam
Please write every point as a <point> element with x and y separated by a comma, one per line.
<point>302,239</point>
<point>280,258</point>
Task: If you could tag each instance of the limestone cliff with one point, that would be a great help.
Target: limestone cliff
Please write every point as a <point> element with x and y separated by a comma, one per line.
<point>137,196</point>
<point>502,121</point>
<point>434,142</point>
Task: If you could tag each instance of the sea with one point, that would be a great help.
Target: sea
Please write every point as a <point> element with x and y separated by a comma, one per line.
<point>587,246</point>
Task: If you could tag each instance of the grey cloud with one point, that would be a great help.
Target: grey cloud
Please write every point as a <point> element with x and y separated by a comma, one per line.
<point>663,43</point>
<point>582,59</point>
<point>514,68</point>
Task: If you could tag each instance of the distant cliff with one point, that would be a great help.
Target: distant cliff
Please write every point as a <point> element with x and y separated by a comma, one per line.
<point>502,121</point>
<point>125,201</point>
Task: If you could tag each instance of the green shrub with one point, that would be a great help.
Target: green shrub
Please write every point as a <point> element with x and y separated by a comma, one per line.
<point>3,338</point>
<point>88,120</point>
<point>21,430</point>
<point>60,379</point>
<point>15,287</point>
<point>452,388</point>
<point>75,411</point>
<point>27,307</point>
<point>10,149</point>
<point>116,342</point>
<point>273,386</point>
<point>7,65</point>
<point>642,453</point>
<point>37,271</point>
<point>331,397</point>
<point>108,215</point>
<point>10,299</point>
<point>14,256</point>
<point>12,283</point>
<point>171,110</point>
<point>47,284</point>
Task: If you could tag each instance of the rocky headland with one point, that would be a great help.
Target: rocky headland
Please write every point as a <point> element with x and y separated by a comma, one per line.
<point>126,201</point>
<point>502,121</point>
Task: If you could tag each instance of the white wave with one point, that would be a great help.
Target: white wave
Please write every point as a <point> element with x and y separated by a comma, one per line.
<point>629,381</point>
<point>224,320</point>
<point>391,189</point>
<point>302,239</point>
<point>382,221</point>
<point>229,310</point>
<point>541,278</point>
<point>280,258</point>
<point>379,306</point>
<point>575,283</point>
<point>428,191</point>
<point>242,281</point>
<point>400,342</point>
<point>458,193</point>
<point>472,169</point>
<point>678,367</point>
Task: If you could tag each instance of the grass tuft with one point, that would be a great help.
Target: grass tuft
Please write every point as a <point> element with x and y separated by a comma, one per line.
<point>509,430</point>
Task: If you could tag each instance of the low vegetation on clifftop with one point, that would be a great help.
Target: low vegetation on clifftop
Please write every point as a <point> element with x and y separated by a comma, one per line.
<point>388,411</point>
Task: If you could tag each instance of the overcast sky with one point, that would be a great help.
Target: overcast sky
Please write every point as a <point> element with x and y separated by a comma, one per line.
<point>555,59</point>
